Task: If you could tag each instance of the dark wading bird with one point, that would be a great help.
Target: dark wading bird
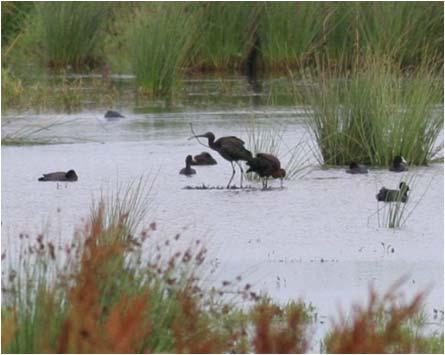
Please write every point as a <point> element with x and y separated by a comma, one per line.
<point>188,170</point>
<point>70,175</point>
<point>203,159</point>
<point>231,149</point>
<point>399,164</point>
<point>387,195</point>
<point>355,168</point>
<point>266,165</point>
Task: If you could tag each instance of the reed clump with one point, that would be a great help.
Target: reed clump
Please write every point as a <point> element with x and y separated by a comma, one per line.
<point>159,39</point>
<point>373,112</point>
<point>70,33</point>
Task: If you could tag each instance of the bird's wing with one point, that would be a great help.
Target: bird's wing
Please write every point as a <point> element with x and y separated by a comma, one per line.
<point>270,158</point>
<point>230,140</point>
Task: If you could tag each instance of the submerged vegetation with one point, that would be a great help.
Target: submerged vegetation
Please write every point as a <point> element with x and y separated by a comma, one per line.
<point>120,287</point>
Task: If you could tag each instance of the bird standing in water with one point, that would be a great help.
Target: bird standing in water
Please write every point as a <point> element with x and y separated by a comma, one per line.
<point>188,171</point>
<point>266,165</point>
<point>231,149</point>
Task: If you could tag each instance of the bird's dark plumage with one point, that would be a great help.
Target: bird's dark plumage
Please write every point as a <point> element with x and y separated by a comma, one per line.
<point>387,195</point>
<point>70,175</point>
<point>266,165</point>
<point>203,159</point>
<point>399,164</point>
<point>230,148</point>
<point>188,170</point>
<point>113,114</point>
<point>355,168</point>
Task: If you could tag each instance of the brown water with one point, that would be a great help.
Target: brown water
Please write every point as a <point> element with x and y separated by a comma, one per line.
<point>316,239</point>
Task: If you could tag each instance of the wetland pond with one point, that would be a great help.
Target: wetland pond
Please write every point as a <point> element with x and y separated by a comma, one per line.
<point>317,239</point>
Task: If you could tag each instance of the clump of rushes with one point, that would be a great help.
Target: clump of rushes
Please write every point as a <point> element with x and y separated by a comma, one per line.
<point>381,327</point>
<point>227,35</point>
<point>290,33</point>
<point>373,112</point>
<point>70,34</point>
<point>159,39</point>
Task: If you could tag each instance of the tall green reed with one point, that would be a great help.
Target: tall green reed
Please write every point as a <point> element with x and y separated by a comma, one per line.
<point>159,41</point>
<point>70,33</point>
<point>226,34</point>
<point>291,32</point>
<point>373,112</point>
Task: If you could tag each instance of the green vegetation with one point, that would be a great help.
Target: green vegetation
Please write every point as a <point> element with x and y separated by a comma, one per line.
<point>226,35</point>
<point>162,41</point>
<point>373,113</point>
<point>158,41</point>
<point>69,33</point>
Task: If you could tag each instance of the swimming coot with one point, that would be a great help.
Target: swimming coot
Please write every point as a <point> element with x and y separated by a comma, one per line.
<point>203,159</point>
<point>399,164</point>
<point>355,168</point>
<point>70,175</point>
<point>387,195</point>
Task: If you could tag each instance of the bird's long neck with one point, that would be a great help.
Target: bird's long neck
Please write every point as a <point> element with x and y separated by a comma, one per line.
<point>211,141</point>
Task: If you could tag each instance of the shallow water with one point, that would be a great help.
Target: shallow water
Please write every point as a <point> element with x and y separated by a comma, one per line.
<point>317,238</point>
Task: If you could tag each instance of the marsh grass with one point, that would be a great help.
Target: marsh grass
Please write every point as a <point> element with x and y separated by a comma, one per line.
<point>159,40</point>
<point>291,32</point>
<point>269,139</point>
<point>372,113</point>
<point>29,134</point>
<point>226,35</point>
<point>59,94</point>
<point>384,325</point>
<point>70,34</point>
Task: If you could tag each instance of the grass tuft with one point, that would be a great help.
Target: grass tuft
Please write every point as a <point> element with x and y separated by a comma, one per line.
<point>373,113</point>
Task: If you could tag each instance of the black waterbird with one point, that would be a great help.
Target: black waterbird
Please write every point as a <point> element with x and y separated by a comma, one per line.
<point>70,175</point>
<point>399,164</point>
<point>203,159</point>
<point>188,171</point>
<point>231,149</point>
<point>266,165</point>
<point>355,168</point>
<point>387,195</point>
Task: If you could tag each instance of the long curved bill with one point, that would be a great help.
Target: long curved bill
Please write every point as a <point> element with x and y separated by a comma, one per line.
<point>198,136</point>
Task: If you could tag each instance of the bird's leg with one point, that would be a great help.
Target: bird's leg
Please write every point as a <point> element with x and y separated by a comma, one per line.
<point>266,182</point>
<point>233,174</point>
<point>281,182</point>
<point>242,173</point>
